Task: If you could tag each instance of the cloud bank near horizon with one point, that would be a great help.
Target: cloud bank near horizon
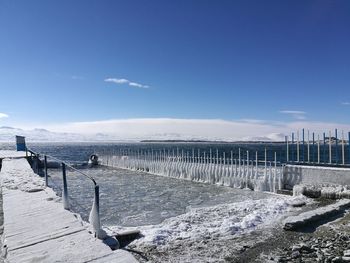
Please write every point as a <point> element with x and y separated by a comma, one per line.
<point>206,129</point>
<point>3,115</point>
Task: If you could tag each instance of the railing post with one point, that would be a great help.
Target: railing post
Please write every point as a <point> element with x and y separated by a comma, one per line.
<point>303,148</point>
<point>45,170</point>
<point>287,145</point>
<point>349,146</point>
<point>330,147</point>
<point>336,146</point>
<point>94,217</point>
<point>343,147</point>
<point>65,190</point>
<point>37,163</point>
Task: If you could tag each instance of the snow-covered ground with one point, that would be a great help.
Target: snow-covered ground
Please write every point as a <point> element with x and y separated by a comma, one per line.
<point>211,234</point>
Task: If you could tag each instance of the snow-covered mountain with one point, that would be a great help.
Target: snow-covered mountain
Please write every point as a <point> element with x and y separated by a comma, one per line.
<point>7,134</point>
<point>42,135</point>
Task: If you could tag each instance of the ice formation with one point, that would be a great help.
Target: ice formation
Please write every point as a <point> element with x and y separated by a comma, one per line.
<point>216,221</point>
<point>237,173</point>
<point>330,191</point>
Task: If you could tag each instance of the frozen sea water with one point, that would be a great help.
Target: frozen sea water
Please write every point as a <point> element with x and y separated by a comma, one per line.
<point>130,198</point>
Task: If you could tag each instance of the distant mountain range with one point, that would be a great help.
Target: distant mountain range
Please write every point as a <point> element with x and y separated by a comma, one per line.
<point>42,135</point>
<point>7,134</point>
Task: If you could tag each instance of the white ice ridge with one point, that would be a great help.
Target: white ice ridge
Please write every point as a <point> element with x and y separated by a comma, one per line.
<point>330,191</point>
<point>217,221</point>
<point>237,173</point>
<point>308,217</point>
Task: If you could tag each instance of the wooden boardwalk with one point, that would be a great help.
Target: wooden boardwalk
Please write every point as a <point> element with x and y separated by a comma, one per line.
<point>38,229</point>
<point>11,154</point>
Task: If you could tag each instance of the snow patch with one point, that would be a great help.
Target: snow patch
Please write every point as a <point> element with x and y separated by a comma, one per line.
<point>220,221</point>
<point>17,174</point>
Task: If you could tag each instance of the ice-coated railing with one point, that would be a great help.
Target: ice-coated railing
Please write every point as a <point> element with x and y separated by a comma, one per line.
<point>238,173</point>
<point>94,217</point>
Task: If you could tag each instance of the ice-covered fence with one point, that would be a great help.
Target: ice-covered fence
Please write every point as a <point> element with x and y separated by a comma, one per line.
<point>241,172</point>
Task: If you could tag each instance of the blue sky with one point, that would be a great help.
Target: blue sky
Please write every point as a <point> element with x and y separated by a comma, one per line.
<point>89,61</point>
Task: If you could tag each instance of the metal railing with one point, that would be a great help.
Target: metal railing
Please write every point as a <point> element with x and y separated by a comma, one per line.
<point>318,149</point>
<point>94,217</point>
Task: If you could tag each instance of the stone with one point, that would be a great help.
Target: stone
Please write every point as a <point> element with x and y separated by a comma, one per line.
<point>306,248</point>
<point>337,260</point>
<point>296,248</point>
<point>295,254</point>
<point>346,253</point>
<point>111,242</point>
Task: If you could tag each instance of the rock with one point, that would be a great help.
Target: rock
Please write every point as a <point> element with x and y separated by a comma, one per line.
<point>295,254</point>
<point>306,248</point>
<point>328,244</point>
<point>346,253</point>
<point>337,260</point>
<point>111,242</point>
<point>296,248</point>
<point>345,259</point>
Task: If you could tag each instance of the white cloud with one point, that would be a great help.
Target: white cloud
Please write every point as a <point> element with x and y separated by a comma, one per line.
<point>345,103</point>
<point>206,129</point>
<point>126,81</point>
<point>117,81</point>
<point>296,114</point>
<point>134,84</point>
<point>3,115</point>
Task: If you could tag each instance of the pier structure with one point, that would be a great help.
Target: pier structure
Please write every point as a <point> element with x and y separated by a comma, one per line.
<point>39,228</point>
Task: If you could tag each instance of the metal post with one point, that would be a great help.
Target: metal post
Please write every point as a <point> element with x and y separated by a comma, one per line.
<point>303,149</point>
<point>318,149</point>
<point>298,156</point>
<point>65,189</point>
<point>342,148</point>
<point>45,170</point>
<point>292,146</point>
<point>256,164</point>
<point>247,163</point>
<point>275,176</point>
<point>336,146</point>
<point>239,160</point>
<point>313,147</point>
<point>265,172</point>
<point>287,145</point>
<point>94,217</point>
<point>36,164</point>
<point>308,146</point>
<point>324,147</point>
<point>349,145</point>
<point>330,147</point>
